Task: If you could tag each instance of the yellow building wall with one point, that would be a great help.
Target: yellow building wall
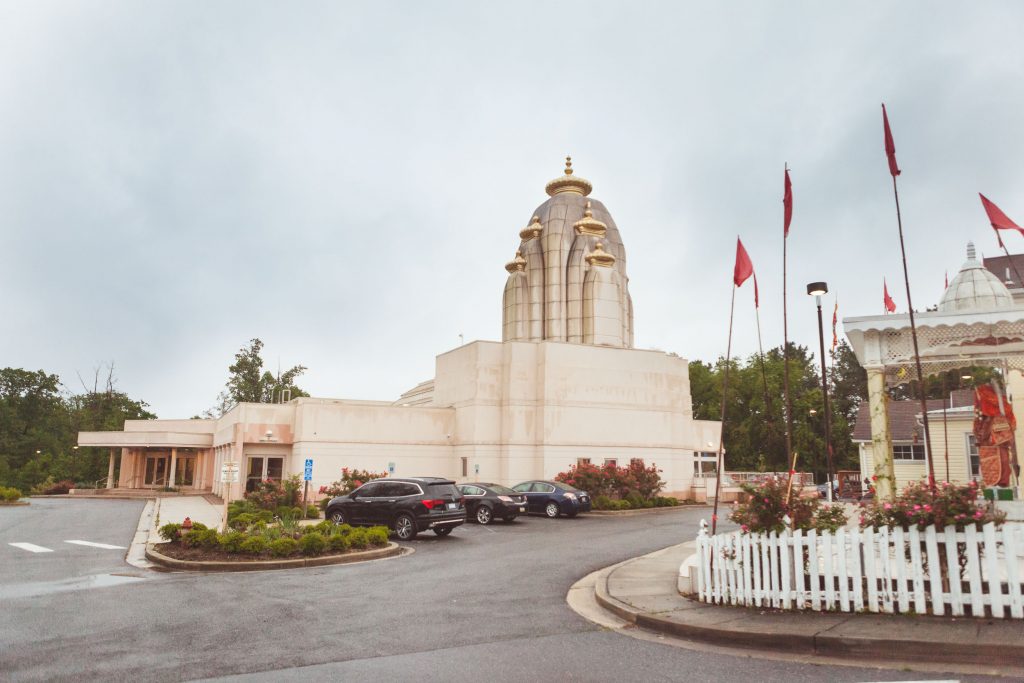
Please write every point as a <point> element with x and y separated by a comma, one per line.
<point>908,471</point>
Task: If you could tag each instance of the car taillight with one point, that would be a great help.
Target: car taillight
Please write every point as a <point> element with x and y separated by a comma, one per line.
<point>431,504</point>
<point>570,496</point>
<point>506,499</point>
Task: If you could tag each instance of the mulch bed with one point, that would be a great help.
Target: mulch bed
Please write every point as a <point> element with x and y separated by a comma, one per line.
<point>180,552</point>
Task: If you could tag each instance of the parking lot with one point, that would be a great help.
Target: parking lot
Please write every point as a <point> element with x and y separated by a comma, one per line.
<point>486,601</point>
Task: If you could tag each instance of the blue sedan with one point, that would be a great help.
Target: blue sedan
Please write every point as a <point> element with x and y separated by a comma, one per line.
<point>553,498</point>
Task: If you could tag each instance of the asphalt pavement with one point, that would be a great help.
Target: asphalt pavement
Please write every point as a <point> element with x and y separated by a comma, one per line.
<point>487,603</point>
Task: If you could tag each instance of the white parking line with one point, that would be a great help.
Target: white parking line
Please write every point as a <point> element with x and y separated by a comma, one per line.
<point>99,545</point>
<point>31,547</point>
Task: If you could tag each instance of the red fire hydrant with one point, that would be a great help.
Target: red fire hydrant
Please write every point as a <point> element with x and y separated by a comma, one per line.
<point>186,526</point>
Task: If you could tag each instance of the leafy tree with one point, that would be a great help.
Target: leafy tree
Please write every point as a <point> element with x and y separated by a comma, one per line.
<point>40,421</point>
<point>248,382</point>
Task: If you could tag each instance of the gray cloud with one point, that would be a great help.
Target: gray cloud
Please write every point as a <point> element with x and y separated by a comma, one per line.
<point>346,181</point>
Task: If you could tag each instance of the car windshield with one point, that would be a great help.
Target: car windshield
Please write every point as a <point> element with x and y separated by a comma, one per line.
<point>501,490</point>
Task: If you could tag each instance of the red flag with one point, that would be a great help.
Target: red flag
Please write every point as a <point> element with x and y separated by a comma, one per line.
<point>890,146</point>
<point>890,305</point>
<point>999,220</point>
<point>787,206</point>
<point>947,280</point>
<point>835,319</point>
<point>744,267</point>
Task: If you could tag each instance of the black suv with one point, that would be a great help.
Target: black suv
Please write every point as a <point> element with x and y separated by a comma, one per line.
<point>407,506</point>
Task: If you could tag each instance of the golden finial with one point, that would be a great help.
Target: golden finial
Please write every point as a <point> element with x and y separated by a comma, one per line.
<point>532,230</point>
<point>568,182</point>
<point>599,257</point>
<point>518,264</point>
<point>588,225</point>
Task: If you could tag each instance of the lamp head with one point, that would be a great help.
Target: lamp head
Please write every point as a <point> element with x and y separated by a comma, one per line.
<point>817,288</point>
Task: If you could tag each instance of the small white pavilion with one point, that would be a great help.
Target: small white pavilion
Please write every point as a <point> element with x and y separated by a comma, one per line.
<point>977,323</point>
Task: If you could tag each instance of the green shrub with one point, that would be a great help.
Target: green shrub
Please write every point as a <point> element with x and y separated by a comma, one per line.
<point>243,521</point>
<point>169,532</point>
<point>203,538</point>
<point>283,547</point>
<point>377,536</point>
<point>199,526</point>
<point>955,505</point>
<point>312,512</point>
<point>312,544</point>
<point>357,539</point>
<point>232,541</point>
<point>10,495</point>
<point>636,500</point>
<point>602,502</point>
<point>338,543</point>
<point>326,527</point>
<point>254,545</point>
<point>283,511</point>
<point>298,513</point>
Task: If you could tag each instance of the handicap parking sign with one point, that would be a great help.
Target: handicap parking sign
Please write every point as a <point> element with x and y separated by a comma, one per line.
<point>309,469</point>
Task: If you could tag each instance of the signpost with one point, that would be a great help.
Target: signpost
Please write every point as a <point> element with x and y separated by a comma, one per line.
<point>229,476</point>
<point>391,468</point>
<point>307,476</point>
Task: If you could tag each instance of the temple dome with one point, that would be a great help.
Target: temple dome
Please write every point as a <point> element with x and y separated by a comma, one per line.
<point>975,288</point>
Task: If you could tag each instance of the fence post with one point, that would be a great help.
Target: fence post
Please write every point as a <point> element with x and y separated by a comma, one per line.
<point>885,568</point>
<point>844,588</point>
<point>934,572</point>
<point>917,571</point>
<point>995,581</point>
<point>799,577</point>
<point>899,543</point>
<point>974,571</point>
<point>1013,578</point>
<point>871,568</point>
<point>748,593</point>
<point>812,561</point>
<point>828,573</point>
<point>764,580</point>
<point>956,599</point>
<point>856,571</point>
<point>773,556</point>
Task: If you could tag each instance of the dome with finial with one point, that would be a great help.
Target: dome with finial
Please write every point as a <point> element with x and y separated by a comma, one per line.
<point>600,257</point>
<point>518,264</point>
<point>975,288</point>
<point>568,182</point>
<point>588,225</point>
<point>533,230</point>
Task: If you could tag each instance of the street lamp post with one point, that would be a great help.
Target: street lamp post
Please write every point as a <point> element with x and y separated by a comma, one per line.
<point>816,289</point>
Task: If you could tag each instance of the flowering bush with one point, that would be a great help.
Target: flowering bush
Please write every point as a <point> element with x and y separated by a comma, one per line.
<point>268,495</point>
<point>765,509</point>
<point>917,505</point>
<point>617,483</point>
<point>350,481</point>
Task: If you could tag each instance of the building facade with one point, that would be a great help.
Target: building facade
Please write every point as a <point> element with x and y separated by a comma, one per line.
<point>564,385</point>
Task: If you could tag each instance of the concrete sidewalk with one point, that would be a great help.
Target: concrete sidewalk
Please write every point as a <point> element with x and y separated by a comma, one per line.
<point>160,511</point>
<point>643,591</point>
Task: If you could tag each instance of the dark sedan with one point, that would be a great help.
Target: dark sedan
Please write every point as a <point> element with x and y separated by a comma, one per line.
<point>485,502</point>
<point>553,498</point>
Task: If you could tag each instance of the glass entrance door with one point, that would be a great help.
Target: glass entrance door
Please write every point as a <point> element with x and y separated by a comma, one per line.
<point>185,471</point>
<point>260,468</point>
<point>156,470</point>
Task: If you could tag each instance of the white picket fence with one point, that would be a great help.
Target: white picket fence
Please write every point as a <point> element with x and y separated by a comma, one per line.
<point>888,570</point>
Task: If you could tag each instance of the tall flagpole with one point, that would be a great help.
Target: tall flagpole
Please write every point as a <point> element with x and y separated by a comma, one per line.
<point>790,455</point>
<point>910,306</point>
<point>764,375</point>
<point>721,436</point>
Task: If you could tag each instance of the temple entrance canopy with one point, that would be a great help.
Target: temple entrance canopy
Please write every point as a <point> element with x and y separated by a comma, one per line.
<point>977,323</point>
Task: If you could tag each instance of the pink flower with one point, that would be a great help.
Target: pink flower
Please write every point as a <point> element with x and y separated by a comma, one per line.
<point>917,507</point>
<point>744,528</point>
<point>888,506</point>
<point>979,514</point>
<point>928,508</point>
<point>766,500</point>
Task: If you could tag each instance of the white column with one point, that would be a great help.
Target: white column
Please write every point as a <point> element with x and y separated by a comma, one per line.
<point>110,469</point>
<point>881,438</point>
<point>174,466</point>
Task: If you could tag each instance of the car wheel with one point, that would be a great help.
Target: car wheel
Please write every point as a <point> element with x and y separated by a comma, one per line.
<point>510,518</point>
<point>337,516</point>
<point>443,530</point>
<point>405,528</point>
<point>551,509</point>
<point>484,514</point>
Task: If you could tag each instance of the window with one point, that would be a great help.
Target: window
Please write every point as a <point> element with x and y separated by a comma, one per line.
<point>541,487</point>
<point>972,455</point>
<point>368,490</point>
<point>611,461</point>
<point>524,487</point>
<point>582,461</point>
<point>636,461</point>
<point>472,491</point>
<point>465,467</point>
<point>908,452</point>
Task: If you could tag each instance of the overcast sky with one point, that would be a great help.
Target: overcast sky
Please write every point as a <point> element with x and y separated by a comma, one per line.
<point>346,181</point>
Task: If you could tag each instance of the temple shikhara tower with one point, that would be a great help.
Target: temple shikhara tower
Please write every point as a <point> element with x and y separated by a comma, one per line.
<point>564,385</point>
<point>568,279</point>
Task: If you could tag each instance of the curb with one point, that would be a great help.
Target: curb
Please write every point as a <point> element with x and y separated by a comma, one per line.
<point>644,511</point>
<point>820,643</point>
<point>15,504</point>
<point>391,550</point>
